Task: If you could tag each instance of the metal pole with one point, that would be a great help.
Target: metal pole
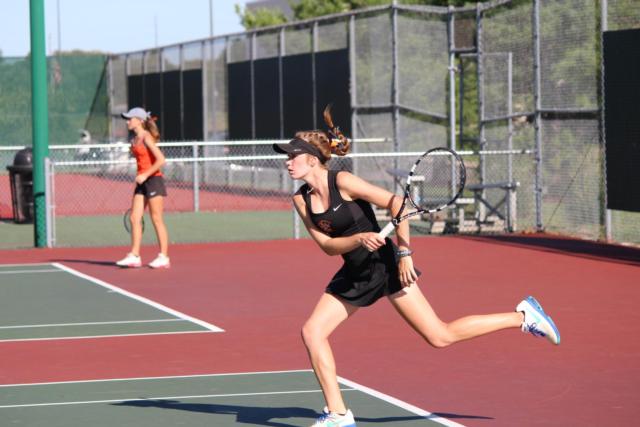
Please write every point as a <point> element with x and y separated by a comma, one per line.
<point>111,92</point>
<point>461,104</point>
<point>604,26</point>
<point>181,55</point>
<point>296,219</point>
<point>353,85</point>
<point>211,18</point>
<point>538,115</point>
<point>252,57</point>
<point>39,119</point>
<point>314,84</point>
<point>48,171</point>
<point>479,207</point>
<point>281,53</point>
<point>395,81</point>
<point>452,81</point>
<point>510,194</point>
<point>59,27</point>
<point>253,47</point>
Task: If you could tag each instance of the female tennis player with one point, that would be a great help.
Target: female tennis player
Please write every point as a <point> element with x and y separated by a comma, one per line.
<point>149,190</point>
<point>336,210</point>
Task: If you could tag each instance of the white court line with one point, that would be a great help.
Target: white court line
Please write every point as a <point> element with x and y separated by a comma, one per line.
<point>199,396</point>
<point>144,334</point>
<point>28,271</point>
<point>169,377</point>
<point>139,298</point>
<point>354,387</point>
<point>404,405</point>
<point>119,322</point>
<point>25,264</point>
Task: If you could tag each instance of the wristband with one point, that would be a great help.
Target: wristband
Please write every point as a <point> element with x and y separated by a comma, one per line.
<point>404,253</point>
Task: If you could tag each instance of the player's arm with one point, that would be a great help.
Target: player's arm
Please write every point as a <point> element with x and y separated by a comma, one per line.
<point>330,245</point>
<point>357,188</point>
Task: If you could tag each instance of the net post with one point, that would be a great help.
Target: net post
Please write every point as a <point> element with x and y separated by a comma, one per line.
<point>48,197</point>
<point>196,179</point>
<point>296,219</point>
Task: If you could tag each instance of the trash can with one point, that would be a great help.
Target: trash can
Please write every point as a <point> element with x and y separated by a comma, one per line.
<point>21,178</point>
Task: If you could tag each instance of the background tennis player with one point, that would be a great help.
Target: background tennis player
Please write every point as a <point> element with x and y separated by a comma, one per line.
<point>149,190</point>
<point>336,210</point>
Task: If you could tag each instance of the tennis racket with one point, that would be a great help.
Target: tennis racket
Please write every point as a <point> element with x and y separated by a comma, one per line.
<point>127,221</point>
<point>435,181</point>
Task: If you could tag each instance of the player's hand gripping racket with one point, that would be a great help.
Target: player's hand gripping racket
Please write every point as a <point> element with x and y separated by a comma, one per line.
<point>435,181</point>
<point>127,221</point>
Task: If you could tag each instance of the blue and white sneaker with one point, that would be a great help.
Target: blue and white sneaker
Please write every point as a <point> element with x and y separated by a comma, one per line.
<point>331,419</point>
<point>536,321</point>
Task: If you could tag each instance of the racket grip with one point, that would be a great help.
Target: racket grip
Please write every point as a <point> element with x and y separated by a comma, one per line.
<point>386,230</point>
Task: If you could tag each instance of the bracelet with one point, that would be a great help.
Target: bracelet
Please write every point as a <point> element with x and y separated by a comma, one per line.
<point>404,253</point>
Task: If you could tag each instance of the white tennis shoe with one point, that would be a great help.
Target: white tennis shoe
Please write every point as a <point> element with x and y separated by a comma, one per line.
<point>537,322</point>
<point>331,419</point>
<point>130,261</point>
<point>161,261</point>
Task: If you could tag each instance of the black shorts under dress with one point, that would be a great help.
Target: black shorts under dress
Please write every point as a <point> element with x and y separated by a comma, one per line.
<point>365,276</point>
<point>152,187</point>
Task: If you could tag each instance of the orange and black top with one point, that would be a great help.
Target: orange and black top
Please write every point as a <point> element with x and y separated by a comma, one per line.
<point>144,157</point>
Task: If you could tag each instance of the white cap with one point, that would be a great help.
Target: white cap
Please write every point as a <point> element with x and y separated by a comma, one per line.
<point>136,112</point>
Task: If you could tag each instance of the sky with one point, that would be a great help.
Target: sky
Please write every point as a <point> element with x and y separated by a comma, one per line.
<point>116,26</point>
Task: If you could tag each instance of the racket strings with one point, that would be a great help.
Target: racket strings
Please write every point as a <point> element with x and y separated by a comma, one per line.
<point>437,180</point>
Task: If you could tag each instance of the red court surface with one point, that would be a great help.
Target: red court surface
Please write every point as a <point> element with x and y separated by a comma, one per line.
<point>260,293</point>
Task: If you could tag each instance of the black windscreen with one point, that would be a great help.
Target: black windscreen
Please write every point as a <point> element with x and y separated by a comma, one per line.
<point>332,87</point>
<point>267,98</point>
<point>171,120</point>
<point>192,102</point>
<point>622,118</point>
<point>332,79</point>
<point>135,91</point>
<point>239,77</point>
<point>153,95</point>
<point>297,93</point>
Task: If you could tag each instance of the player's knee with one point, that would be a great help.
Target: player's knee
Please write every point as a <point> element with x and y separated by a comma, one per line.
<point>156,217</point>
<point>310,334</point>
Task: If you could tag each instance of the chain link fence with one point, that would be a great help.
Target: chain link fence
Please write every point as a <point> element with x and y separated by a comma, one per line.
<point>240,196</point>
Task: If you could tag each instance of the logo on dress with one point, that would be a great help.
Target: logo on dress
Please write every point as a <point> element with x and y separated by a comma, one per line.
<point>337,207</point>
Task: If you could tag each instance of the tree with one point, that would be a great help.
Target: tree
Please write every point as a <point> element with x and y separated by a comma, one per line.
<point>306,9</point>
<point>261,17</point>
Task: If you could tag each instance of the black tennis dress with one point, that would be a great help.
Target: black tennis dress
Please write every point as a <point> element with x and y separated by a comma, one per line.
<point>365,276</point>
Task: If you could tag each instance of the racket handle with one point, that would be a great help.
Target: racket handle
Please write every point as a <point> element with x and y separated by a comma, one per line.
<point>386,230</point>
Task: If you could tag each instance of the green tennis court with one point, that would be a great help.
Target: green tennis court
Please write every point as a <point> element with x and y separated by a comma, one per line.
<point>264,399</point>
<point>78,305</point>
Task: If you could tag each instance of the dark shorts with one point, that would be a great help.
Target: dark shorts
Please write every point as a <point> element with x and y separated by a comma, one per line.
<point>152,187</point>
<point>376,278</point>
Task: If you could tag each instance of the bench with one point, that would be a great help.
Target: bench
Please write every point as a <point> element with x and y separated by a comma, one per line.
<point>487,215</point>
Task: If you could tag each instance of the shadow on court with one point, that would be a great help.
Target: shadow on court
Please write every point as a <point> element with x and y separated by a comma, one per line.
<point>244,414</point>
<point>262,416</point>
<point>575,247</point>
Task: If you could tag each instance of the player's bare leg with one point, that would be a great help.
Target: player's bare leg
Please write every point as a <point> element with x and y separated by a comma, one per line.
<point>327,315</point>
<point>416,310</point>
